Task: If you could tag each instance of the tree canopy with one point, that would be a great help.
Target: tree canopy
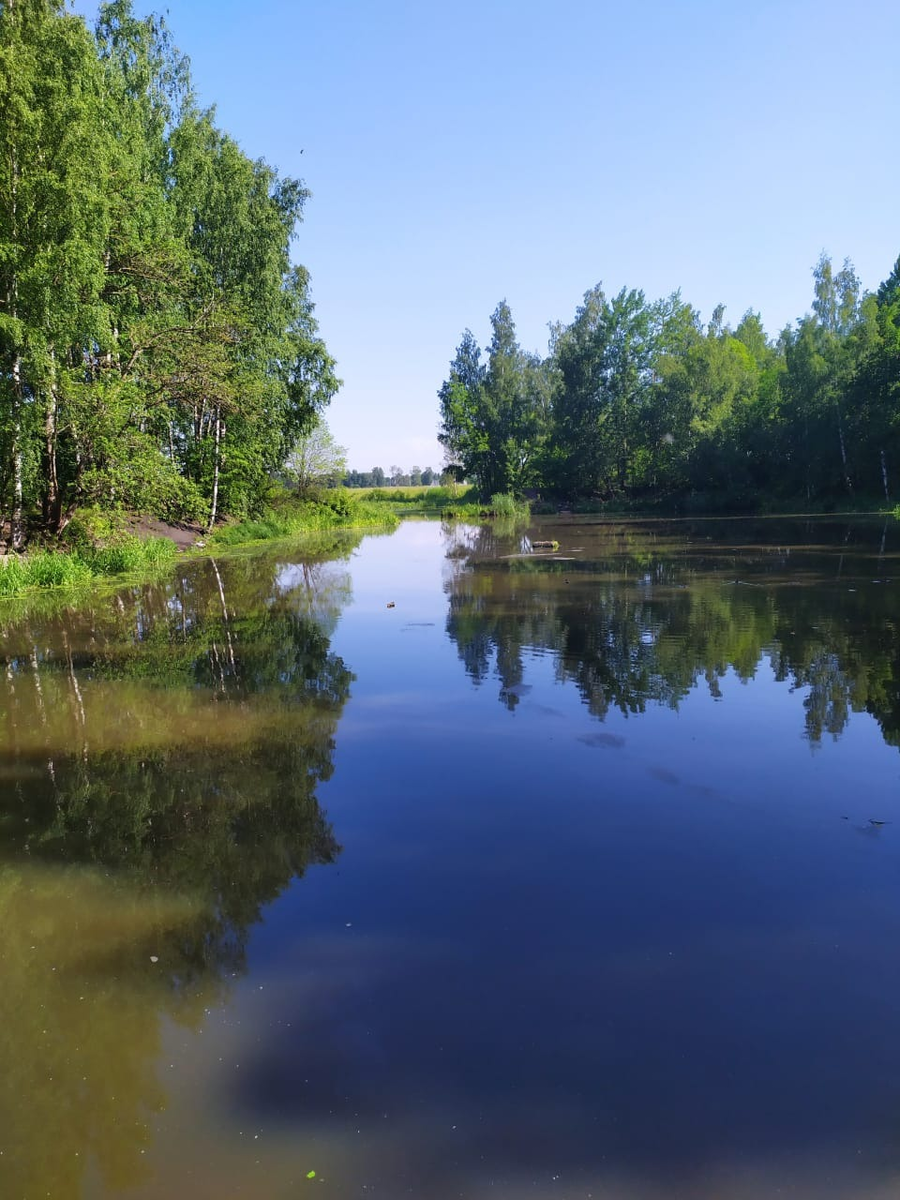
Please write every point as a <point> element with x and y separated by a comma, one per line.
<point>158,347</point>
<point>637,401</point>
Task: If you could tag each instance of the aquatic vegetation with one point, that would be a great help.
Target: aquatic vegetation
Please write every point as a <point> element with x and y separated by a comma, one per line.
<point>80,567</point>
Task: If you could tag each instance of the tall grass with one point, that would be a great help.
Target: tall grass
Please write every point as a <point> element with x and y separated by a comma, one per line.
<point>79,568</point>
<point>502,505</point>
<point>418,499</point>
<point>293,517</point>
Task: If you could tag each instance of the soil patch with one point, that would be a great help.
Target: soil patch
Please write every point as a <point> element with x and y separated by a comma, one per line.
<point>183,534</point>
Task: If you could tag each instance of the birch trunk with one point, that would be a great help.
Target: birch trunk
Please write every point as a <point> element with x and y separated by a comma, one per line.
<point>52,504</point>
<point>216,458</point>
<point>16,525</point>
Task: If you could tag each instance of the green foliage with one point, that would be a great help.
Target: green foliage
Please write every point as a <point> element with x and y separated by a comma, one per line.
<point>637,405</point>
<point>13,576</point>
<point>158,349</point>
<point>604,361</point>
<point>131,554</point>
<point>504,504</point>
<point>80,567</point>
<point>316,460</point>
<point>408,501</point>
<point>493,415</point>
<point>95,526</point>
<point>335,509</point>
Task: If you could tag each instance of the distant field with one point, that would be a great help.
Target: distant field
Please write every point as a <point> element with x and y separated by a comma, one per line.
<point>420,496</point>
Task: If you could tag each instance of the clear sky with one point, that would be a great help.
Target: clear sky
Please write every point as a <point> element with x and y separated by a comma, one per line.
<point>462,153</point>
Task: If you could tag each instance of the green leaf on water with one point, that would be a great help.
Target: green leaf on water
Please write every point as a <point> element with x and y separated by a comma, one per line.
<point>310,1174</point>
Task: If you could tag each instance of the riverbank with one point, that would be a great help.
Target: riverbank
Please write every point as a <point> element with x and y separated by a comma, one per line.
<point>113,546</point>
<point>294,516</point>
<point>453,503</point>
<point>99,546</point>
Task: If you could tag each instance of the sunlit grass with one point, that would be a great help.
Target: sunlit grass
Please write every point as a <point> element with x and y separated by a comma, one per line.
<point>73,569</point>
<point>419,498</point>
<point>290,517</point>
<point>502,505</point>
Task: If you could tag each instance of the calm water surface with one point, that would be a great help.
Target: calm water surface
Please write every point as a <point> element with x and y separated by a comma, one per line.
<point>441,868</point>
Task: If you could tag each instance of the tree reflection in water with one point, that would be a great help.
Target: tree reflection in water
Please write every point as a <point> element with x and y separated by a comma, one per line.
<point>162,753</point>
<point>638,618</point>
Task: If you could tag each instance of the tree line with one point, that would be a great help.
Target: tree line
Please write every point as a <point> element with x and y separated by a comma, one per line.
<point>639,400</point>
<point>158,348</point>
<point>395,477</point>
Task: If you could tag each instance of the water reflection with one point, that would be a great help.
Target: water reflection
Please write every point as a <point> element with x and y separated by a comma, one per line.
<point>162,751</point>
<point>634,616</point>
<point>559,957</point>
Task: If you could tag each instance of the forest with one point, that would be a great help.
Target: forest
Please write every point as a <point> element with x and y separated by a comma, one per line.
<point>158,349</point>
<point>639,403</point>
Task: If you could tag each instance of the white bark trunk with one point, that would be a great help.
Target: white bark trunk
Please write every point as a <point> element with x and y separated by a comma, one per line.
<point>215,492</point>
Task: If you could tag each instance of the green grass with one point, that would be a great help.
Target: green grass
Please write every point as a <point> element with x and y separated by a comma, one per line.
<point>417,500</point>
<point>98,548</point>
<point>291,516</point>
<point>455,503</point>
<point>503,506</point>
<point>79,568</point>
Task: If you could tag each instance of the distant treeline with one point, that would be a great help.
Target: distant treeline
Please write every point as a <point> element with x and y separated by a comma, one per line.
<point>157,347</point>
<point>637,400</point>
<point>396,477</point>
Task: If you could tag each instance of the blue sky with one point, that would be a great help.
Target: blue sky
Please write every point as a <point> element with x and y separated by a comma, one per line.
<point>462,153</point>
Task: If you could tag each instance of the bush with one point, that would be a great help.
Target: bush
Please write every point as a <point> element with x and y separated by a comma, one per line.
<point>339,501</point>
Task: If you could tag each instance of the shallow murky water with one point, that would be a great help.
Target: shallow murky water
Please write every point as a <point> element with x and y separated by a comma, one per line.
<point>440,867</point>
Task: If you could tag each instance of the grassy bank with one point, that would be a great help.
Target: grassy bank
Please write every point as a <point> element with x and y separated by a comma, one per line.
<point>99,546</point>
<point>455,503</point>
<point>503,506</point>
<point>80,567</point>
<point>293,516</point>
<point>418,500</point>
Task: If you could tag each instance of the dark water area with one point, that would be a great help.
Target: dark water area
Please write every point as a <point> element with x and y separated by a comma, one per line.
<point>442,867</point>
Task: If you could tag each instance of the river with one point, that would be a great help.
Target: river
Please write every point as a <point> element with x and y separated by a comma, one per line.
<point>436,865</point>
